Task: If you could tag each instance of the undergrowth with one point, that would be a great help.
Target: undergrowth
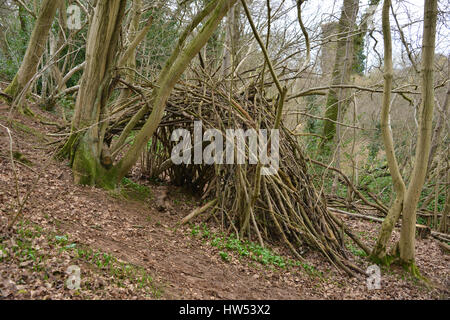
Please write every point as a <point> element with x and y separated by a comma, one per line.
<point>134,191</point>
<point>229,245</point>
<point>28,254</point>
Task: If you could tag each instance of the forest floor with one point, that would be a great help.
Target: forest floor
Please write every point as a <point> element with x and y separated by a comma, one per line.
<point>128,243</point>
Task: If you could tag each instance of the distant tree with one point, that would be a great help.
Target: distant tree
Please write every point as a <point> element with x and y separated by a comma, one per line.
<point>343,64</point>
<point>36,47</point>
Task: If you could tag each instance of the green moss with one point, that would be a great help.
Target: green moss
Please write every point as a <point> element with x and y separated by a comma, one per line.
<point>27,111</point>
<point>4,99</point>
<point>394,258</point>
<point>88,169</point>
<point>68,150</point>
<point>382,259</point>
<point>13,88</point>
<point>413,270</point>
<point>106,179</point>
<point>135,191</point>
<point>329,129</point>
<point>84,165</point>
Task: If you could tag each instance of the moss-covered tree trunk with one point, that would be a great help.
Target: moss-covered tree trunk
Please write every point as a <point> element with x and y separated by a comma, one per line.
<point>342,66</point>
<point>210,6</point>
<point>36,47</point>
<point>86,142</point>
<point>89,121</point>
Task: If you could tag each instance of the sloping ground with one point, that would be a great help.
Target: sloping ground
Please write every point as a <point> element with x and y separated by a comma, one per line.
<point>129,249</point>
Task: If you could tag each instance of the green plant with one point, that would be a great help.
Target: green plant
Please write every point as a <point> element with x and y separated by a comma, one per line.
<point>311,270</point>
<point>62,240</point>
<point>355,250</point>
<point>247,249</point>
<point>24,250</point>
<point>195,230</point>
<point>133,190</point>
<point>205,232</point>
<point>224,256</point>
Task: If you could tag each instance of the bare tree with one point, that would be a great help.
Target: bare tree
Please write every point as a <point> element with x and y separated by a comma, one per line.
<point>379,251</point>
<point>86,144</point>
<point>342,67</point>
<point>406,201</point>
<point>35,48</point>
<point>408,230</point>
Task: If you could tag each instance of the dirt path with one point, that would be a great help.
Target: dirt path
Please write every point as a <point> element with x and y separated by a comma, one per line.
<point>186,267</point>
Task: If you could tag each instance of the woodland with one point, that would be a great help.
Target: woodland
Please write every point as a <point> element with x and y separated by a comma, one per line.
<point>93,205</point>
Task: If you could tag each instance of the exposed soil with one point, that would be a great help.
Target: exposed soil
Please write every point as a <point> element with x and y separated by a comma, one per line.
<point>143,234</point>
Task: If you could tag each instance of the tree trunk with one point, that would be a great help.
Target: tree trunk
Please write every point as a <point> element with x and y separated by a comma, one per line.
<point>168,65</point>
<point>342,66</point>
<point>229,52</point>
<point>86,149</point>
<point>3,44</point>
<point>166,83</point>
<point>442,118</point>
<point>56,42</point>
<point>379,251</point>
<point>359,59</point>
<point>89,119</point>
<point>22,19</point>
<point>443,227</point>
<point>408,230</point>
<point>35,49</point>
<point>130,62</point>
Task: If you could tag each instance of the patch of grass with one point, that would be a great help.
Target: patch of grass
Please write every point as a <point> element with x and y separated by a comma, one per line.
<point>119,270</point>
<point>311,270</point>
<point>3,254</point>
<point>224,256</point>
<point>246,249</point>
<point>356,251</point>
<point>23,249</point>
<point>62,240</point>
<point>195,231</point>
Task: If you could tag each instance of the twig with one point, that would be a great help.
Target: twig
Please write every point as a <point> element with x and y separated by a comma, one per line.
<point>198,211</point>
